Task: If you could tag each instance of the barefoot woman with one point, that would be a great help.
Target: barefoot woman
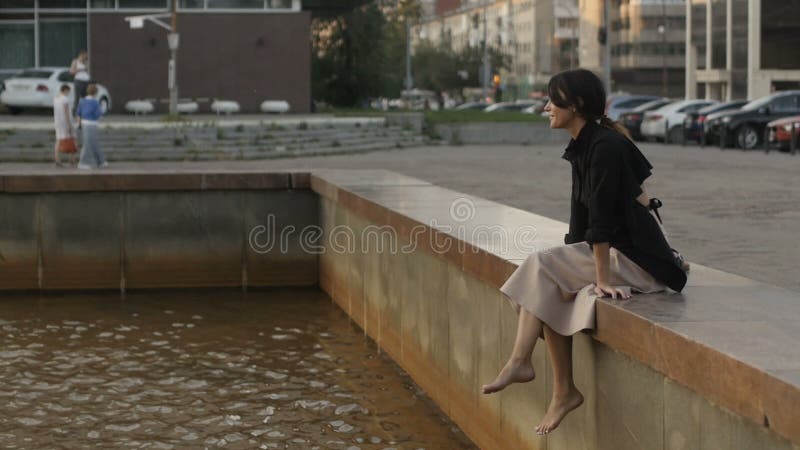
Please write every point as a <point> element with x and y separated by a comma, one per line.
<point>614,245</point>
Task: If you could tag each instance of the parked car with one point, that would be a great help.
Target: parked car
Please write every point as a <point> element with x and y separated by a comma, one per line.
<point>537,107</point>
<point>666,123</point>
<point>37,87</point>
<point>632,120</point>
<point>471,106</point>
<point>745,127</point>
<point>517,106</point>
<point>618,104</point>
<point>693,129</point>
<point>783,134</point>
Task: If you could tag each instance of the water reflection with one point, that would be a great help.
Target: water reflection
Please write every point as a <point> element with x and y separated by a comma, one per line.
<point>274,369</point>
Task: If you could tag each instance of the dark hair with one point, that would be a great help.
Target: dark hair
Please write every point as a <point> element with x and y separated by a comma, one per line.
<point>64,88</point>
<point>91,89</point>
<point>582,90</point>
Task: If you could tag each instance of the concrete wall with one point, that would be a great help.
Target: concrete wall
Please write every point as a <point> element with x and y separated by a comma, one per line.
<point>151,235</point>
<point>518,133</point>
<point>442,318</point>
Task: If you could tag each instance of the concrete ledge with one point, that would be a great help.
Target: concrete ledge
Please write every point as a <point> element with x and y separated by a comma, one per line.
<point>516,133</point>
<point>728,339</point>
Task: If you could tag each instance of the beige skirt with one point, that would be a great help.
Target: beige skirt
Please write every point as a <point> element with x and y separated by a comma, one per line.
<point>557,285</point>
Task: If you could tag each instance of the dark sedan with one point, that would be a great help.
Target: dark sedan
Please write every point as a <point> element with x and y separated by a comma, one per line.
<point>745,127</point>
<point>693,129</point>
<point>632,120</point>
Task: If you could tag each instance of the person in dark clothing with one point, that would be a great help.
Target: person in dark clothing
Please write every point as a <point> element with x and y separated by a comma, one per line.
<point>614,245</point>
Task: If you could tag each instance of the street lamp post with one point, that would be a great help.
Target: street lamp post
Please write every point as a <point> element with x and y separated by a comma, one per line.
<point>173,40</point>
<point>485,55</point>
<point>409,82</point>
<point>662,29</point>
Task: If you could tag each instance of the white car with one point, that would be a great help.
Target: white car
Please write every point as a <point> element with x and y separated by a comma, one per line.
<point>666,123</point>
<point>37,87</point>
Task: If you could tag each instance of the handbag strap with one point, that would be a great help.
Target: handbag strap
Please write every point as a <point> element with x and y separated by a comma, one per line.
<point>654,205</point>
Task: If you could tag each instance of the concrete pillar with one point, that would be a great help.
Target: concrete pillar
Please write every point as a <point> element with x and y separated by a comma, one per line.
<point>754,49</point>
<point>590,53</point>
<point>690,79</point>
<point>708,35</point>
<point>728,48</point>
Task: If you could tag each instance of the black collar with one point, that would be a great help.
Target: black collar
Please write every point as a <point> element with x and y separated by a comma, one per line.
<point>578,145</point>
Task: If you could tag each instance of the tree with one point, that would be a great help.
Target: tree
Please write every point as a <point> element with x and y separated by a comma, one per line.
<point>361,54</point>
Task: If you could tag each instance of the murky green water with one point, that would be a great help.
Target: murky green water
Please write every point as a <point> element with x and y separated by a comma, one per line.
<point>208,369</point>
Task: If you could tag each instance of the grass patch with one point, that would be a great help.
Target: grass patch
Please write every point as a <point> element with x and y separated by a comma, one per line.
<point>172,118</point>
<point>302,126</point>
<point>239,128</point>
<point>220,134</point>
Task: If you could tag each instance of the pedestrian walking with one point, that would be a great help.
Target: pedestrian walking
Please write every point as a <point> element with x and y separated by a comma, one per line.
<point>80,72</point>
<point>89,113</point>
<point>65,133</point>
<point>614,246</point>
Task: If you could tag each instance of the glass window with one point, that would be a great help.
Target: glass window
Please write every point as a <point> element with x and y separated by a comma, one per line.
<point>66,77</point>
<point>60,41</point>
<point>191,4</point>
<point>280,4</point>
<point>784,104</point>
<point>143,4</point>
<point>63,4</point>
<point>102,4</point>
<point>34,73</point>
<point>8,4</point>
<point>780,34</point>
<point>18,37</point>
<point>236,4</point>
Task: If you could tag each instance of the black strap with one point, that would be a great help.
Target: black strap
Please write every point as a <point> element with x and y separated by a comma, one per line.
<point>654,205</point>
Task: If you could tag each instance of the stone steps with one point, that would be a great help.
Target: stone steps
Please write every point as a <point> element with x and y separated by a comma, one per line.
<point>198,143</point>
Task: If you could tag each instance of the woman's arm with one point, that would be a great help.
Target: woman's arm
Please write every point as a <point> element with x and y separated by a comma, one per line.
<point>73,68</point>
<point>601,263</point>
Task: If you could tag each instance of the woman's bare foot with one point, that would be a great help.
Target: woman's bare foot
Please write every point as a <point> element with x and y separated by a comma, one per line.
<point>512,372</point>
<point>558,409</point>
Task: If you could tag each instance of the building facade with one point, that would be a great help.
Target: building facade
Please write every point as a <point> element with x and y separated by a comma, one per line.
<point>646,44</point>
<point>741,49</point>
<point>243,50</point>
<point>539,36</point>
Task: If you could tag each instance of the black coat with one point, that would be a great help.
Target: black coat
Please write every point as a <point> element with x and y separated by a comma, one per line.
<point>607,173</point>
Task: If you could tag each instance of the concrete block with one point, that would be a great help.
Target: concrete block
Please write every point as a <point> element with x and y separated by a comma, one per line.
<point>681,417</point>
<point>463,311</point>
<point>80,239</point>
<point>630,402</point>
<point>275,226</point>
<point>19,228</point>
<point>177,239</point>
<point>523,405</point>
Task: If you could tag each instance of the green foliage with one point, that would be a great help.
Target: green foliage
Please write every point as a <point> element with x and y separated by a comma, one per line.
<point>361,54</point>
<point>438,68</point>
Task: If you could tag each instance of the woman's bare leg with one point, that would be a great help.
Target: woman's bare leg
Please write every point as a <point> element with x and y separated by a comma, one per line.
<point>56,155</point>
<point>566,396</point>
<point>519,368</point>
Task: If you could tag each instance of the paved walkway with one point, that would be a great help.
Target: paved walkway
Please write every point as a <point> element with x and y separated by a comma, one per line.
<point>732,210</point>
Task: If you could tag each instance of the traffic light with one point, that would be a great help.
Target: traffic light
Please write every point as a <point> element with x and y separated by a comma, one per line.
<point>602,35</point>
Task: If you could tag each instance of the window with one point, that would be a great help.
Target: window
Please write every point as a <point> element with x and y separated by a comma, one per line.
<point>20,37</point>
<point>785,104</point>
<point>143,4</point>
<point>9,4</point>
<point>63,4</point>
<point>66,77</point>
<point>60,40</point>
<point>236,4</point>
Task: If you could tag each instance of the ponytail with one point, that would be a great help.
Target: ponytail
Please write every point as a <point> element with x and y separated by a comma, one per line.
<point>616,126</point>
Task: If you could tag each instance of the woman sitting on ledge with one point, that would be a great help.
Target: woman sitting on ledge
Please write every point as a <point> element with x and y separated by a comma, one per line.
<point>614,245</point>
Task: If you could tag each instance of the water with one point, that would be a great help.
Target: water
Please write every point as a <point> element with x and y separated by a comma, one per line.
<point>281,368</point>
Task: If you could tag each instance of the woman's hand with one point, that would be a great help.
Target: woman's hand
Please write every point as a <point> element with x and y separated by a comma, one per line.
<point>604,289</point>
